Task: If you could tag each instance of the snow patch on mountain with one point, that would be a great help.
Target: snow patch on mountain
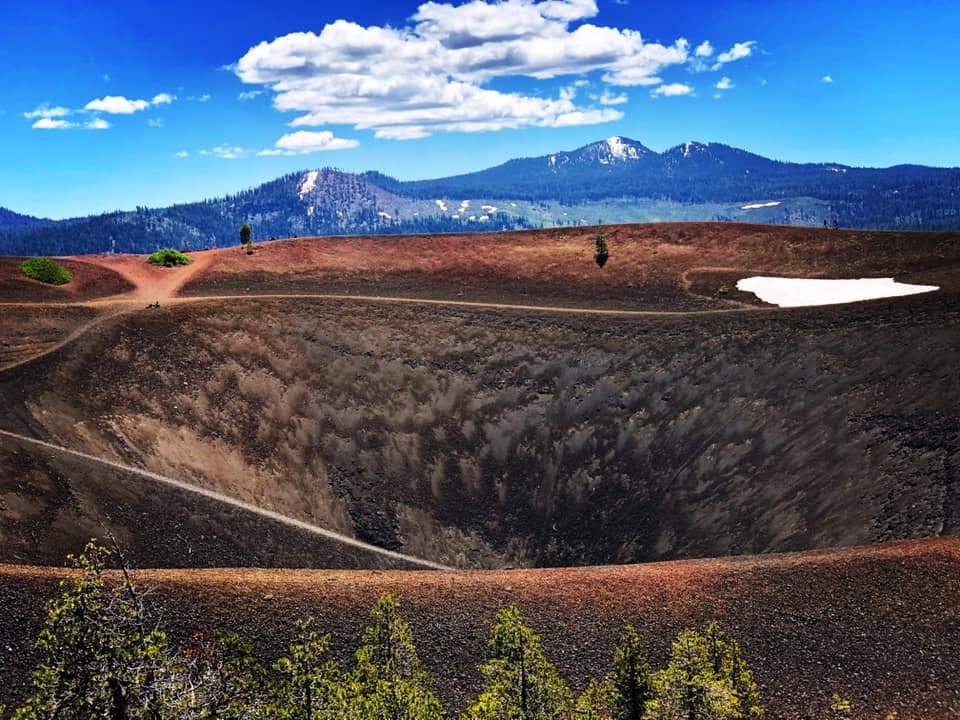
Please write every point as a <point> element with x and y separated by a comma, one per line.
<point>690,147</point>
<point>309,183</point>
<point>621,150</point>
<point>757,206</point>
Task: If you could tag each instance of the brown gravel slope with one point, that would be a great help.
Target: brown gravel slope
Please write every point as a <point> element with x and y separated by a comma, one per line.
<point>880,625</point>
<point>496,438</point>
<point>51,505</point>
<point>28,331</point>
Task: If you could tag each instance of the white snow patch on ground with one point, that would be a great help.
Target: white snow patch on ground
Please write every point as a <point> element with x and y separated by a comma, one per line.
<point>309,183</point>
<point>802,292</point>
<point>489,209</point>
<point>385,215</point>
<point>756,206</point>
<point>442,205</point>
<point>484,218</point>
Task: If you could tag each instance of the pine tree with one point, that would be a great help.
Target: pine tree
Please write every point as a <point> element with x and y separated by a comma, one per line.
<point>728,664</point>
<point>389,682</point>
<point>520,683</point>
<point>595,702</point>
<point>689,688</point>
<point>631,682</point>
<point>308,687</point>
<point>602,253</point>
<point>99,657</point>
<point>244,234</point>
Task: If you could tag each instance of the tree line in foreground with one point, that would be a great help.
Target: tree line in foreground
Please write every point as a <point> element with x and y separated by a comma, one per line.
<point>100,657</point>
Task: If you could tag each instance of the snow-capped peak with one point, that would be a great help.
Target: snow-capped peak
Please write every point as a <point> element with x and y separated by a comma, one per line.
<point>620,150</point>
<point>309,183</point>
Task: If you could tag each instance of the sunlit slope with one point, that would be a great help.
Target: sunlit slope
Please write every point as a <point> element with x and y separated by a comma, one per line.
<point>878,625</point>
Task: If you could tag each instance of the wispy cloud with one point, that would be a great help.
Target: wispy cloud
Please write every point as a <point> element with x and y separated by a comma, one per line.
<point>607,98</point>
<point>249,94</point>
<point>48,123</point>
<point>304,142</point>
<point>725,83</point>
<point>225,152</point>
<point>739,51</point>
<point>828,79</point>
<point>47,117</point>
<point>182,154</point>
<point>45,111</point>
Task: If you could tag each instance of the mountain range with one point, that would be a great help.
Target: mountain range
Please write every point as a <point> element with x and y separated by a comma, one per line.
<point>612,180</point>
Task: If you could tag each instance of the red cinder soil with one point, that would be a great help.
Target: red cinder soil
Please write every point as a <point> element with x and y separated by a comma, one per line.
<point>666,266</point>
<point>152,282</point>
<point>91,281</point>
<point>880,625</point>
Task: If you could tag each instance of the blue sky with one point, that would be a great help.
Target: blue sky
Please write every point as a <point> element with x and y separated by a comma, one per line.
<point>139,103</point>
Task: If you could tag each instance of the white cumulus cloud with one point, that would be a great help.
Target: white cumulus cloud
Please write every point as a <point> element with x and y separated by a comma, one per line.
<point>304,142</point>
<point>704,50</point>
<point>116,105</point>
<point>672,90</point>
<point>120,105</point>
<point>182,154</point>
<point>97,123</point>
<point>432,75</point>
<point>827,79</point>
<point>725,83</point>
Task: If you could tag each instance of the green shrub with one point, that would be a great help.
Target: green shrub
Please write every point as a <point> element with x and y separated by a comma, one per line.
<point>169,257</point>
<point>45,270</point>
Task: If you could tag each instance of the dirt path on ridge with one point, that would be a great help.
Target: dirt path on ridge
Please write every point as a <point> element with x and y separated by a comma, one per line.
<point>151,282</point>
